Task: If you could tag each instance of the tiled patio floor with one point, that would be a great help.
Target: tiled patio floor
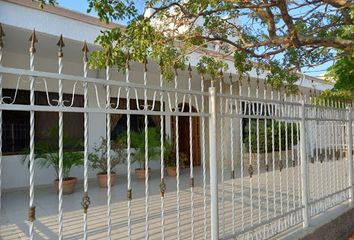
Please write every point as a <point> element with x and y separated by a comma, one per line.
<point>14,210</point>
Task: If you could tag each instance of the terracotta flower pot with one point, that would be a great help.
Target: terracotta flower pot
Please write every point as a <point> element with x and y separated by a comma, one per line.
<point>68,185</point>
<point>102,179</point>
<point>140,173</point>
<point>171,171</point>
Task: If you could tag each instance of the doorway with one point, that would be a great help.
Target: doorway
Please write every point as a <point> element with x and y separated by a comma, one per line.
<point>183,133</point>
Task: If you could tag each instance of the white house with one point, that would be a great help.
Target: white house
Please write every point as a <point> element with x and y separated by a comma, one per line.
<point>18,19</point>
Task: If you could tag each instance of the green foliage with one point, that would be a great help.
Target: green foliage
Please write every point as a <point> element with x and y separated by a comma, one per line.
<point>282,38</point>
<point>98,158</point>
<point>342,95</point>
<point>138,42</point>
<point>47,155</point>
<point>342,72</point>
<point>169,153</point>
<point>261,136</point>
<point>211,67</point>
<point>278,78</point>
<point>109,10</point>
<point>138,143</point>
<point>241,63</point>
<point>45,2</point>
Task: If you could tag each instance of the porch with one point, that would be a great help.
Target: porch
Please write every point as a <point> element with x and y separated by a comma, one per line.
<point>280,160</point>
<point>243,204</point>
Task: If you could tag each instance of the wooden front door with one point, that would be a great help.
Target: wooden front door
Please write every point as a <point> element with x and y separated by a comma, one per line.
<point>184,142</point>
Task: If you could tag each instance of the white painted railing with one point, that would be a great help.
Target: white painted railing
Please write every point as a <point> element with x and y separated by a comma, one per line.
<point>310,174</point>
<point>274,161</point>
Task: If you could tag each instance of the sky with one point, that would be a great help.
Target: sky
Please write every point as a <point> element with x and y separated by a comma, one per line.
<point>77,5</point>
<point>82,5</point>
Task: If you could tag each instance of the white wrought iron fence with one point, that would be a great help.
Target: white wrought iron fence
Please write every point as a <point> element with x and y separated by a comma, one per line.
<point>268,162</point>
<point>293,161</point>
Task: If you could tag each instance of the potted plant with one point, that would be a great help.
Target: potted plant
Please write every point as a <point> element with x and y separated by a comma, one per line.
<point>183,159</point>
<point>138,143</point>
<point>98,160</point>
<point>47,155</point>
<point>170,158</point>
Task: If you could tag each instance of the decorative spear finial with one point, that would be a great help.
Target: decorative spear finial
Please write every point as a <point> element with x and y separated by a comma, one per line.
<point>161,63</point>
<point>230,78</point>
<point>250,170</point>
<point>2,34</point>
<point>108,53</point>
<point>162,187</point>
<point>190,70</point>
<point>127,59</point>
<point>33,40</point>
<point>175,68</point>
<point>85,50</point>
<point>221,73</point>
<point>60,44</point>
<point>145,64</point>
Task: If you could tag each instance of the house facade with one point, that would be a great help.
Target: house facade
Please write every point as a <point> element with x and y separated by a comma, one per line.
<point>19,18</point>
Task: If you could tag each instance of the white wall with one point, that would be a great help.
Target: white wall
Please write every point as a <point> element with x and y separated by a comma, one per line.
<point>97,121</point>
<point>18,23</point>
<point>48,23</point>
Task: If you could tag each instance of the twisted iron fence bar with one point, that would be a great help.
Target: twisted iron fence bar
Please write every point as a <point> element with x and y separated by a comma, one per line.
<point>232,157</point>
<point>222,157</point>
<point>146,157</point>
<point>61,130</point>
<point>85,202</point>
<point>32,51</point>
<point>205,206</point>
<point>2,34</point>
<point>129,161</point>
<point>108,155</point>
<point>191,164</point>
<point>162,170</point>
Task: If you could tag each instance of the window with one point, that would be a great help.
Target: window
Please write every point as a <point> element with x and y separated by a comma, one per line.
<point>137,122</point>
<point>16,124</point>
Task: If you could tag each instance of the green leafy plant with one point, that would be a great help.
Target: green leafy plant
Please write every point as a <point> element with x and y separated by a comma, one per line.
<point>47,154</point>
<point>98,158</point>
<point>279,38</point>
<point>183,158</point>
<point>261,136</point>
<point>169,153</point>
<point>138,143</point>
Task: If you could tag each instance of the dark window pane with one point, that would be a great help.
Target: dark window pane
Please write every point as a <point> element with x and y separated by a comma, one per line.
<point>16,125</point>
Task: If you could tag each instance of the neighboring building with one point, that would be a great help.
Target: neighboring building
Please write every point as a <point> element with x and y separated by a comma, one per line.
<point>19,18</point>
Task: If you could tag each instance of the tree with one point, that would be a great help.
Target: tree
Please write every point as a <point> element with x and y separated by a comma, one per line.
<point>342,74</point>
<point>279,36</point>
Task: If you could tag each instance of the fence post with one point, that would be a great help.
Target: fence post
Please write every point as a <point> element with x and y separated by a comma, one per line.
<point>304,180</point>
<point>213,166</point>
<point>350,155</point>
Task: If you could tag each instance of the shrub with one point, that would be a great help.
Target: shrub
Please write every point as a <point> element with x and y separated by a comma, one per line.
<point>47,154</point>
<point>138,143</point>
<point>261,135</point>
<point>98,158</point>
